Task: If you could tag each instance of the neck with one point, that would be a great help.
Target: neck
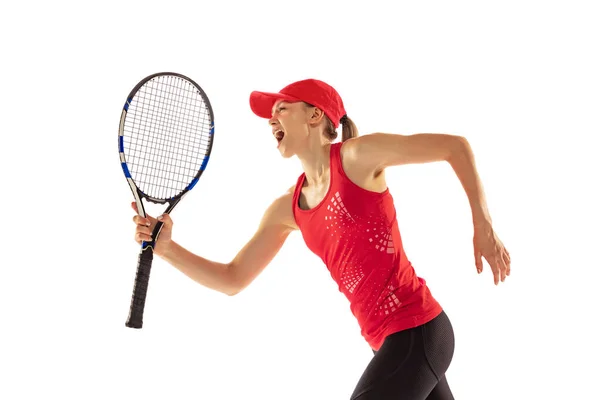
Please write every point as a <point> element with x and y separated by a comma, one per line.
<point>315,163</point>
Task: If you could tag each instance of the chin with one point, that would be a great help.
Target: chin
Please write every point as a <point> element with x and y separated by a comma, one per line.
<point>285,153</point>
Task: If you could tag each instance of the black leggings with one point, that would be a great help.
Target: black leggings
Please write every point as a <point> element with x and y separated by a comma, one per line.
<point>411,365</point>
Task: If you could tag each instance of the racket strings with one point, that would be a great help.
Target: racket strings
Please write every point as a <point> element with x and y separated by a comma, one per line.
<point>166,136</point>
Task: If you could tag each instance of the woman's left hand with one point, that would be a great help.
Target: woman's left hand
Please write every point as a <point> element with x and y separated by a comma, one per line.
<point>487,245</point>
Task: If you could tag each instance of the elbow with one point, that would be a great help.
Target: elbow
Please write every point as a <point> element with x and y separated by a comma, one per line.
<point>233,286</point>
<point>459,146</point>
<point>232,291</point>
<point>462,141</point>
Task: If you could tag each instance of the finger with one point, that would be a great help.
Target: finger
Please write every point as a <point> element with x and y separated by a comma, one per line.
<point>501,266</point>
<point>135,208</point>
<point>142,237</point>
<point>166,220</point>
<point>506,258</point>
<point>478,262</point>
<point>141,221</point>
<point>145,230</point>
<point>495,270</point>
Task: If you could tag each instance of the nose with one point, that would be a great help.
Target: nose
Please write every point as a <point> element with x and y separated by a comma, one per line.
<point>273,121</point>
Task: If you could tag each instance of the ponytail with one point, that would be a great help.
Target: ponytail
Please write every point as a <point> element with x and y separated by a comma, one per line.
<point>349,129</point>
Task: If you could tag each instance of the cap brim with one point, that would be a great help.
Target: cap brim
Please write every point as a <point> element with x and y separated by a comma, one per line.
<point>262,103</point>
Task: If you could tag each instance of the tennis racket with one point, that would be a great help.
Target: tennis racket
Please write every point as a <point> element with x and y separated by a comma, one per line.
<point>165,138</point>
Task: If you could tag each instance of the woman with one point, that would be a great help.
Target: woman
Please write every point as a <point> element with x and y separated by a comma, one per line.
<point>343,208</point>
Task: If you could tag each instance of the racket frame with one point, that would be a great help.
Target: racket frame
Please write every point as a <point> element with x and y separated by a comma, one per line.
<point>138,298</point>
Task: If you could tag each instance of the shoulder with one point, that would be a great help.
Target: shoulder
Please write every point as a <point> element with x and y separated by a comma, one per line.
<point>354,147</point>
<point>356,151</point>
<point>361,164</point>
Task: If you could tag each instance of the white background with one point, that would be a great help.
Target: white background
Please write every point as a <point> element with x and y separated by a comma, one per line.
<point>518,79</point>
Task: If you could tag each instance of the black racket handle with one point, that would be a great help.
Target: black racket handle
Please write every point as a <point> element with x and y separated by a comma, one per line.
<point>142,277</point>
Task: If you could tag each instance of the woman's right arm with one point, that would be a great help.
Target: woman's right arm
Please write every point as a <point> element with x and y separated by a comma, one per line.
<point>229,278</point>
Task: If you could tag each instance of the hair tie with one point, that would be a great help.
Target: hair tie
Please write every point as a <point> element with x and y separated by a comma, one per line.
<point>344,119</point>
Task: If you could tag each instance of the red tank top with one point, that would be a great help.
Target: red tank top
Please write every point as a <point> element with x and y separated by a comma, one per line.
<point>355,232</point>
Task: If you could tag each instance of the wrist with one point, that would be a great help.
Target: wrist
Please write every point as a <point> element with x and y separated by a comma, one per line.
<point>165,250</point>
<point>481,218</point>
<point>482,222</point>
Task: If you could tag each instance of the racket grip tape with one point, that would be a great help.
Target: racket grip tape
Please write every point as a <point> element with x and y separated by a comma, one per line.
<point>138,299</point>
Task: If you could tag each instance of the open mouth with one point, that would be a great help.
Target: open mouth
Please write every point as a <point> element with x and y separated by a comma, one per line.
<point>279,134</point>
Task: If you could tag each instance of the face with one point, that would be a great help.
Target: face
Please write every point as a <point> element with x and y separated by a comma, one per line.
<point>290,124</point>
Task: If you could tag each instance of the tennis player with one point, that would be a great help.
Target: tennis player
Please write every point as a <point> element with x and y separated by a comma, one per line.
<point>343,208</point>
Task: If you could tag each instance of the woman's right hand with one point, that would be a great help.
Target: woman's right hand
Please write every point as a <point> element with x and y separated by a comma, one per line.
<point>145,226</point>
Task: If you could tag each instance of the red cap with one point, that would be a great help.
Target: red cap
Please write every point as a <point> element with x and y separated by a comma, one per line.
<point>311,91</point>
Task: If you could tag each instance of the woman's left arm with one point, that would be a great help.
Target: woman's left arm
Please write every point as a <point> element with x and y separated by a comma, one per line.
<point>381,150</point>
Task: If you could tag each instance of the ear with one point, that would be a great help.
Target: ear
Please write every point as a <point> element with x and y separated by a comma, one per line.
<point>316,116</point>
